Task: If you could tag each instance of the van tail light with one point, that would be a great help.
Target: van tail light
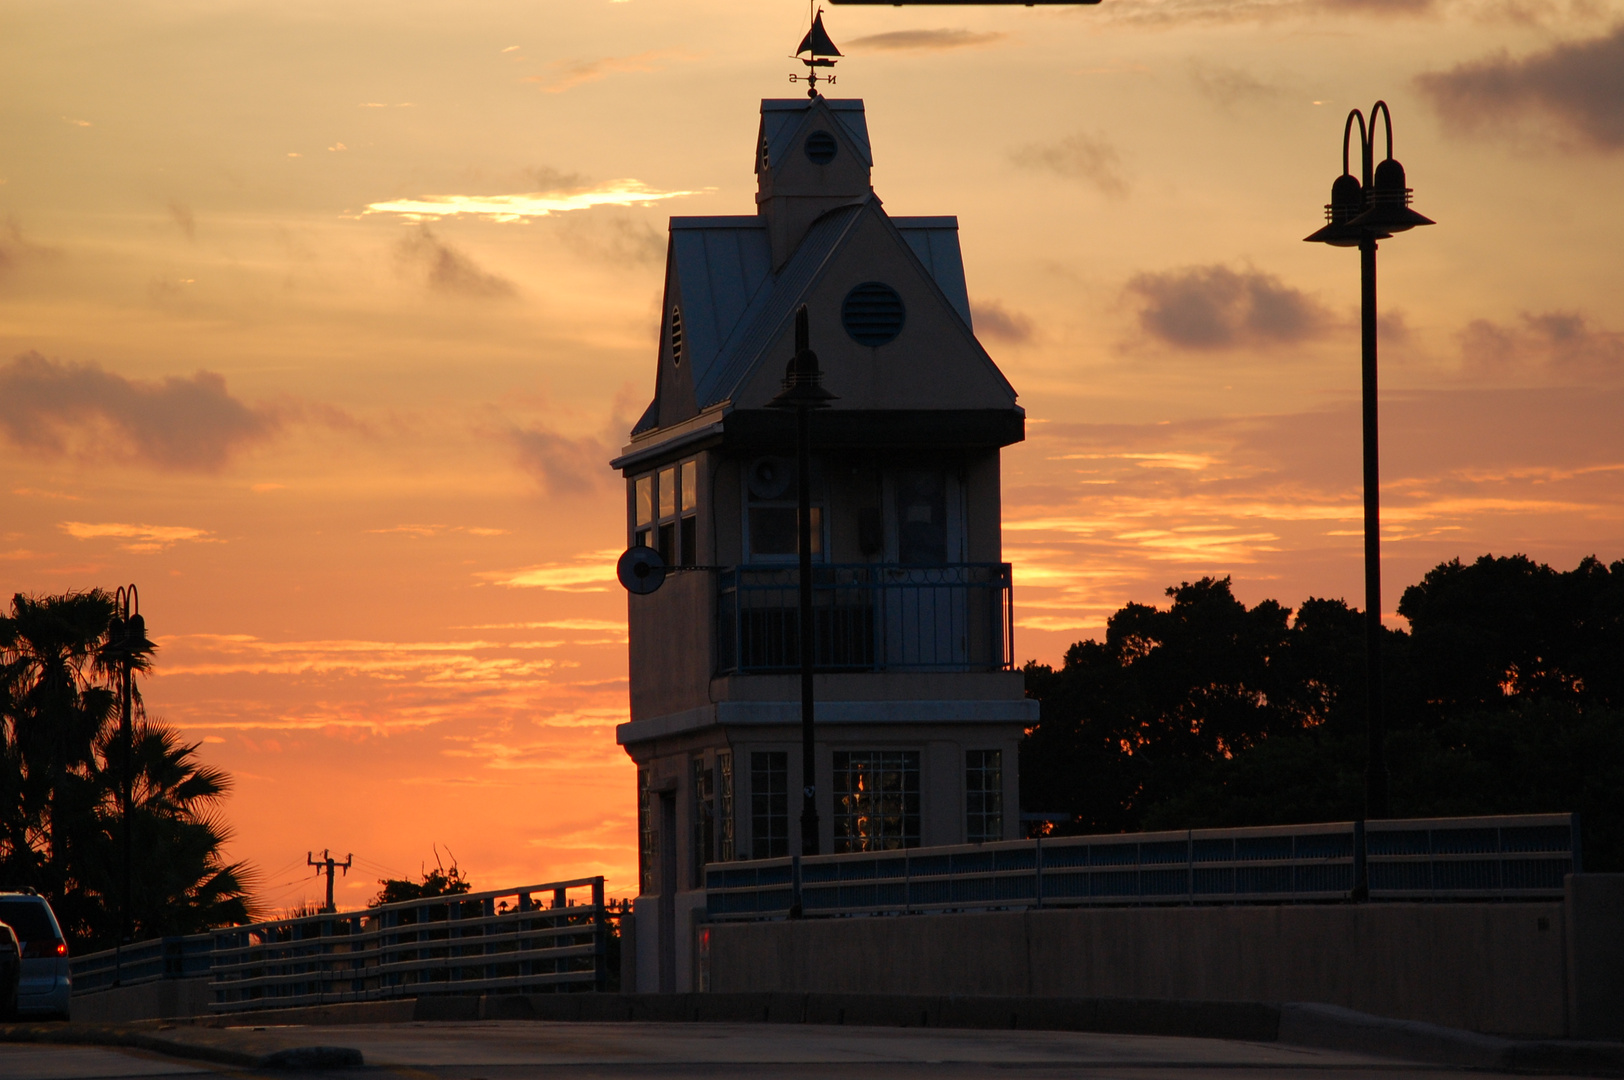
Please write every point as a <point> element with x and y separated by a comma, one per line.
<point>44,950</point>
<point>62,948</point>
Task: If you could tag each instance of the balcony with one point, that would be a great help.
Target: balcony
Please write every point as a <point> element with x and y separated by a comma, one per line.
<point>867,617</point>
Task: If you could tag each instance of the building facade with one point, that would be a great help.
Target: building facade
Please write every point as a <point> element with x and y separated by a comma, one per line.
<point>919,708</point>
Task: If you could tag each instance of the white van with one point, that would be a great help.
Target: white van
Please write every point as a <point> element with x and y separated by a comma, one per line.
<point>45,985</point>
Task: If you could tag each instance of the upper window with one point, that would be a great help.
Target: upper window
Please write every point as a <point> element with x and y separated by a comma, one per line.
<point>873,313</point>
<point>821,147</point>
<point>772,512</point>
<point>666,513</point>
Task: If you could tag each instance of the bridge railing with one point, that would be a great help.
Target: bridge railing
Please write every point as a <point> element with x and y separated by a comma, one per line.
<point>1487,858</point>
<point>536,938</point>
<point>181,957</point>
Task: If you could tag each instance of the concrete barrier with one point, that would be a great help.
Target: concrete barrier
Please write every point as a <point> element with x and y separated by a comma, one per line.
<point>1490,968</point>
<point>161,999</point>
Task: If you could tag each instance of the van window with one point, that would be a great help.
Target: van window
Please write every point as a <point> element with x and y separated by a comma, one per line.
<point>30,917</point>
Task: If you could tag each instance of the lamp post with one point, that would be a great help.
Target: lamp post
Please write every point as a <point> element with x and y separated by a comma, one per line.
<point>126,639</point>
<point>803,391</point>
<point>1363,210</point>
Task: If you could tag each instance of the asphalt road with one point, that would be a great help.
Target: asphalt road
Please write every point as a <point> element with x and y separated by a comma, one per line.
<point>515,1050</point>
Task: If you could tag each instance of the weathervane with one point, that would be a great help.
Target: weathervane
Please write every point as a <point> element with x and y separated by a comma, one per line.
<point>817,46</point>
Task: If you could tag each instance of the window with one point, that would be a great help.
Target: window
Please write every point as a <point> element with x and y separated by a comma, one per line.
<point>644,510</point>
<point>772,511</point>
<point>769,804</point>
<point>666,513</point>
<point>876,796</point>
<point>648,840</point>
<point>983,796</point>
<point>704,847</point>
<point>724,807</point>
<point>921,497</point>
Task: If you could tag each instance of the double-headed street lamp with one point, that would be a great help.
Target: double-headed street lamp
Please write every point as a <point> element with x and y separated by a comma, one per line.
<point>126,645</point>
<point>803,391</point>
<point>1363,210</point>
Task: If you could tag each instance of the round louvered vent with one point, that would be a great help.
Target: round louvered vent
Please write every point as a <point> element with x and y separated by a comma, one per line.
<point>873,313</point>
<point>821,147</point>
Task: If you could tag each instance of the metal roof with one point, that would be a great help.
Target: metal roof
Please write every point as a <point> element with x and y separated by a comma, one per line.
<point>781,119</point>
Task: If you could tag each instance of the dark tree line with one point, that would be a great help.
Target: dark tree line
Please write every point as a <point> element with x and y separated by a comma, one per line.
<point>1506,695</point>
<point>61,764</point>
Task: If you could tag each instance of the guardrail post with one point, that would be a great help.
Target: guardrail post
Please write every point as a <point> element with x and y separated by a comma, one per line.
<point>1361,878</point>
<point>795,908</point>
<point>600,939</point>
<point>1037,871</point>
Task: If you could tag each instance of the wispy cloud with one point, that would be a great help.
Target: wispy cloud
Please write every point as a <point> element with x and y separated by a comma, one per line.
<point>143,539</point>
<point>568,74</point>
<point>437,530</point>
<point>590,572</point>
<point>448,271</point>
<point>994,320</point>
<point>523,207</point>
<point>938,40</point>
<point>1085,158</point>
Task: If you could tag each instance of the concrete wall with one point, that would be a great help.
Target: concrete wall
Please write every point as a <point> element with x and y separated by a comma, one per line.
<point>1498,968</point>
<point>160,999</point>
<point>1595,920</point>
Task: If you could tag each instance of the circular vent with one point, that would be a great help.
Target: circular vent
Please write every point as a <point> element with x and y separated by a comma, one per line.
<point>873,313</point>
<point>821,147</point>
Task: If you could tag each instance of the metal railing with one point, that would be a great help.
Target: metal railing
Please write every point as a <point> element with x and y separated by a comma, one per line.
<point>183,957</point>
<point>867,617</point>
<point>504,940</point>
<point>1484,858</point>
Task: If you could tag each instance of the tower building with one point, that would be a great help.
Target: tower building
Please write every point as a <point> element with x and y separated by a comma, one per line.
<point>919,708</point>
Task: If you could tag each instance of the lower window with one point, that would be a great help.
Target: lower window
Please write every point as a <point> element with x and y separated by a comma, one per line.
<point>769,804</point>
<point>876,796</point>
<point>983,796</point>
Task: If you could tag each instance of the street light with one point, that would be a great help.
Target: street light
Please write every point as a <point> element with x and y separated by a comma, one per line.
<point>1361,212</point>
<point>126,640</point>
<point>803,391</point>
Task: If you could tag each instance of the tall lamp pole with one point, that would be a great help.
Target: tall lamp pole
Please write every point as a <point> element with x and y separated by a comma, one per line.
<point>803,391</point>
<point>126,638</point>
<point>1363,210</point>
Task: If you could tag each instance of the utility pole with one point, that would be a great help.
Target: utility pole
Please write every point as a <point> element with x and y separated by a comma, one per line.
<point>328,864</point>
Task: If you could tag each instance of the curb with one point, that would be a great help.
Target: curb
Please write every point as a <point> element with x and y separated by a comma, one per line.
<point>294,1058</point>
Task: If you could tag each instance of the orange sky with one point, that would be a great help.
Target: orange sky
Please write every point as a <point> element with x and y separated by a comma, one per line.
<point>319,323</point>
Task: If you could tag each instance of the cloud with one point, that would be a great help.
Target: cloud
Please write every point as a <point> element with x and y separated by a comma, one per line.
<point>181,215</point>
<point>536,204</point>
<point>16,249</point>
<point>1214,307</point>
<point>591,572</point>
<point>561,464</point>
<point>615,237</point>
<point>186,423</point>
<point>568,74</point>
<point>1230,86</point>
<point>927,40</point>
<point>1578,84</point>
<point>447,270</point>
<point>1561,343</point>
<point>994,320</point>
<point>1085,158</point>
<point>143,539</point>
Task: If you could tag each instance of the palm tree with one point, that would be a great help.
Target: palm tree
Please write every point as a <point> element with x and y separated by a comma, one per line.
<point>62,759</point>
<point>53,712</point>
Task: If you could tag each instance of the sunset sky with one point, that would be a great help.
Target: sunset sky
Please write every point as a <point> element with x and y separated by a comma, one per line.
<point>320,322</point>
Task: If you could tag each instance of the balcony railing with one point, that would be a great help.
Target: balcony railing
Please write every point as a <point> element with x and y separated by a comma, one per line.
<point>867,617</point>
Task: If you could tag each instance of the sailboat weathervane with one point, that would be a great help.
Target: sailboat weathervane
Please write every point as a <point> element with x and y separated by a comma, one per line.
<point>817,48</point>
